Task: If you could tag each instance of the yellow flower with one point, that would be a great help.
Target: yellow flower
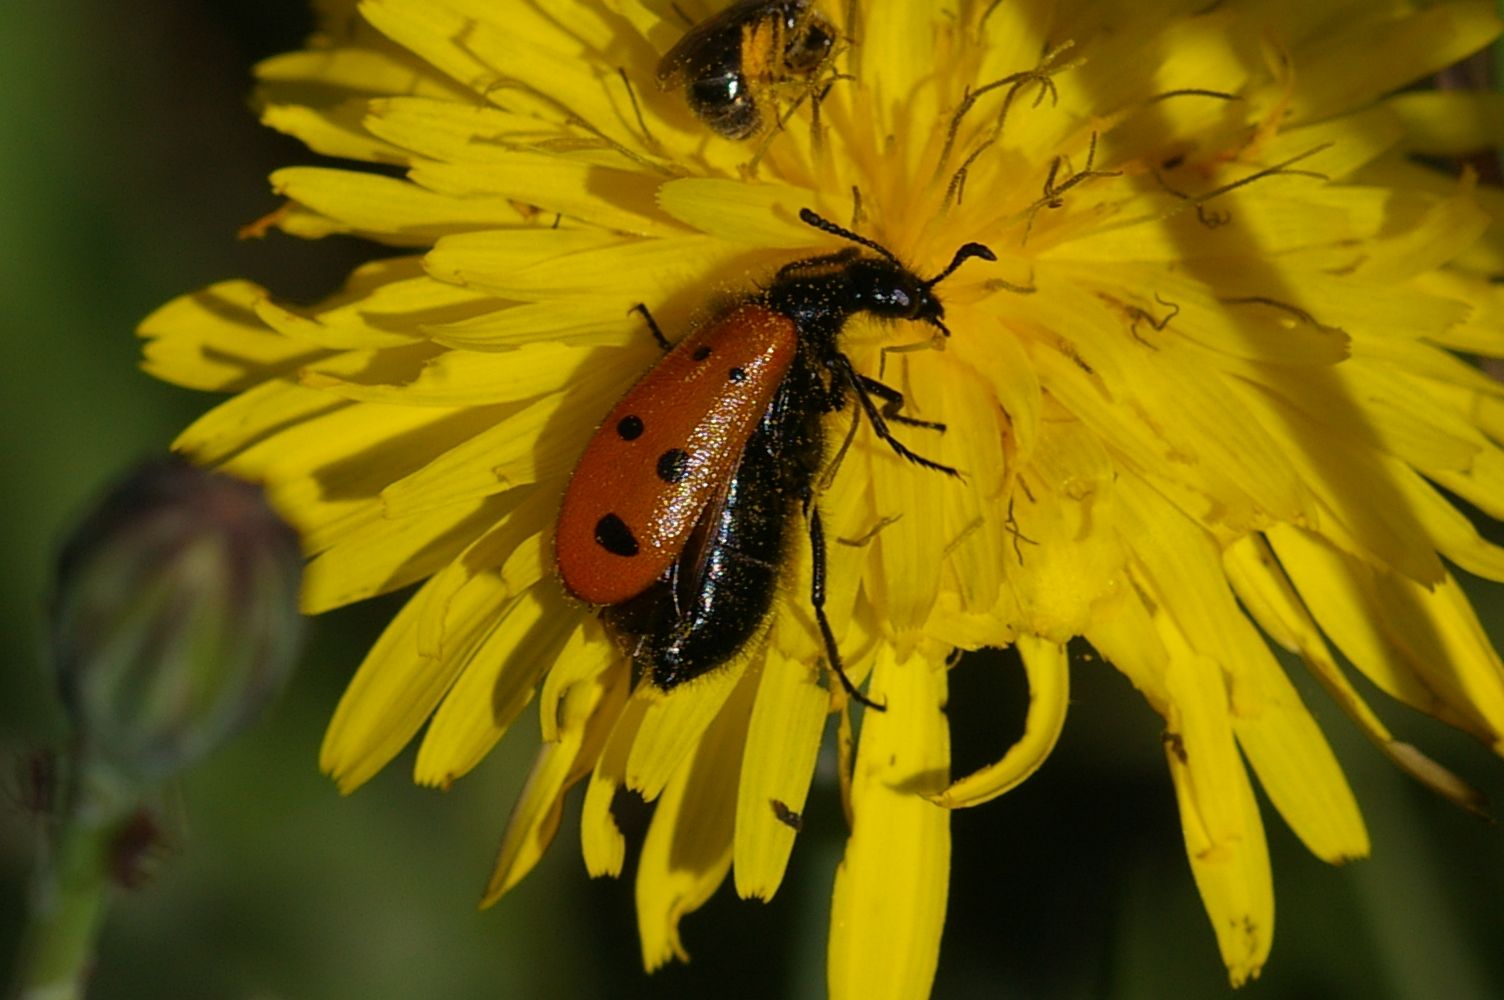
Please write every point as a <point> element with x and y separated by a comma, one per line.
<point>1206,400</point>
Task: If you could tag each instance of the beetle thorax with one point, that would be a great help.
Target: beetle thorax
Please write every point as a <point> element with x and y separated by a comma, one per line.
<point>821,302</point>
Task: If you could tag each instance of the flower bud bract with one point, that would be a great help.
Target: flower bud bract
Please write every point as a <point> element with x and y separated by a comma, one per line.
<point>175,619</point>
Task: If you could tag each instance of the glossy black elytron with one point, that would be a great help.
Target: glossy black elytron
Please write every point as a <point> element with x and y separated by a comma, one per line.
<point>714,600</point>
<point>726,61</point>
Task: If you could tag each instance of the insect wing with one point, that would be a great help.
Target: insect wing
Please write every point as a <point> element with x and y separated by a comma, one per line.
<point>665,450</point>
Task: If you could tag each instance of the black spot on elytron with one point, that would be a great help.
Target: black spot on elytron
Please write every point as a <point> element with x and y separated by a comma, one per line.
<point>673,465</point>
<point>701,353</point>
<point>629,427</point>
<point>613,535</point>
<point>737,374</point>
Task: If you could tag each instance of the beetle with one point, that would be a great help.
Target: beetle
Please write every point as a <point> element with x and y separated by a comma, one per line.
<point>729,63</point>
<point>675,519</point>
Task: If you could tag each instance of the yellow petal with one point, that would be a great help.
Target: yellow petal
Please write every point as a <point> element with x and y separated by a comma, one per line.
<point>1295,765</point>
<point>1424,647</point>
<point>1364,501</point>
<point>1159,421</point>
<point>387,209</point>
<point>909,557</point>
<point>849,517</point>
<point>1397,49</point>
<point>1213,311</point>
<point>520,58</point>
<point>343,328</point>
<point>1275,225</point>
<point>336,131</point>
<point>589,654</point>
<point>1448,227</point>
<point>525,443</point>
<point>1283,743</point>
<point>391,695</point>
<point>584,321</point>
<point>1384,407</point>
<point>454,378</point>
<point>631,271</point>
<point>1224,837</point>
<point>972,532</point>
<point>466,472</point>
<point>996,354</point>
<point>687,851</point>
<point>448,601</point>
<point>1422,360</point>
<point>601,840</point>
<point>583,720</point>
<point>272,407</point>
<point>213,339</point>
<point>1048,671</point>
<point>762,216</point>
<point>1124,633</point>
<point>1449,122</point>
<point>674,721</point>
<point>783,740</point>
<point>434,33</point>
<point>1482,485</point>
<point>496,255</point>
<point>1061,550</point>
<point>378,555</point>
<point>308,75</point>
<point>892,885</point>
<point>891,28</point>
<point>496,683</point>
<point>451,130</point>
<point>556,186</point>
<point>1271,599</point>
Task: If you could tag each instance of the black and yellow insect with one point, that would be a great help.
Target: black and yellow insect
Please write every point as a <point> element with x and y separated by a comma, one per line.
<point>735,63</point>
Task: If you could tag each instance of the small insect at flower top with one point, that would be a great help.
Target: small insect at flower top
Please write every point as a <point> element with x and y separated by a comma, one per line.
<point>675,517</point>
<point>732,63</point>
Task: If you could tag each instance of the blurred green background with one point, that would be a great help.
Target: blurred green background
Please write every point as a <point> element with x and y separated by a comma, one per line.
<point>128,162</point>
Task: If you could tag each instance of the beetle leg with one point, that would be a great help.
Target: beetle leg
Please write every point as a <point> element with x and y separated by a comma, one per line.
<point>893,402</point>
<point>842,364</point>
<point>652,325</point>
<point>817,601</point>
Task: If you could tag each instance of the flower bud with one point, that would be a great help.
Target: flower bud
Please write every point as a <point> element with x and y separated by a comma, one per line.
<point>176,617</point>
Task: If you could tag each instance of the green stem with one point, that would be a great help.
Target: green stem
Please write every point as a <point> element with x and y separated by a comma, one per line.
<point>70,894</point>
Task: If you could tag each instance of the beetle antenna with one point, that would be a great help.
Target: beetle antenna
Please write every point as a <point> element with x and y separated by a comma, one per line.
<point>965,253</point>
<point>809,218</point>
